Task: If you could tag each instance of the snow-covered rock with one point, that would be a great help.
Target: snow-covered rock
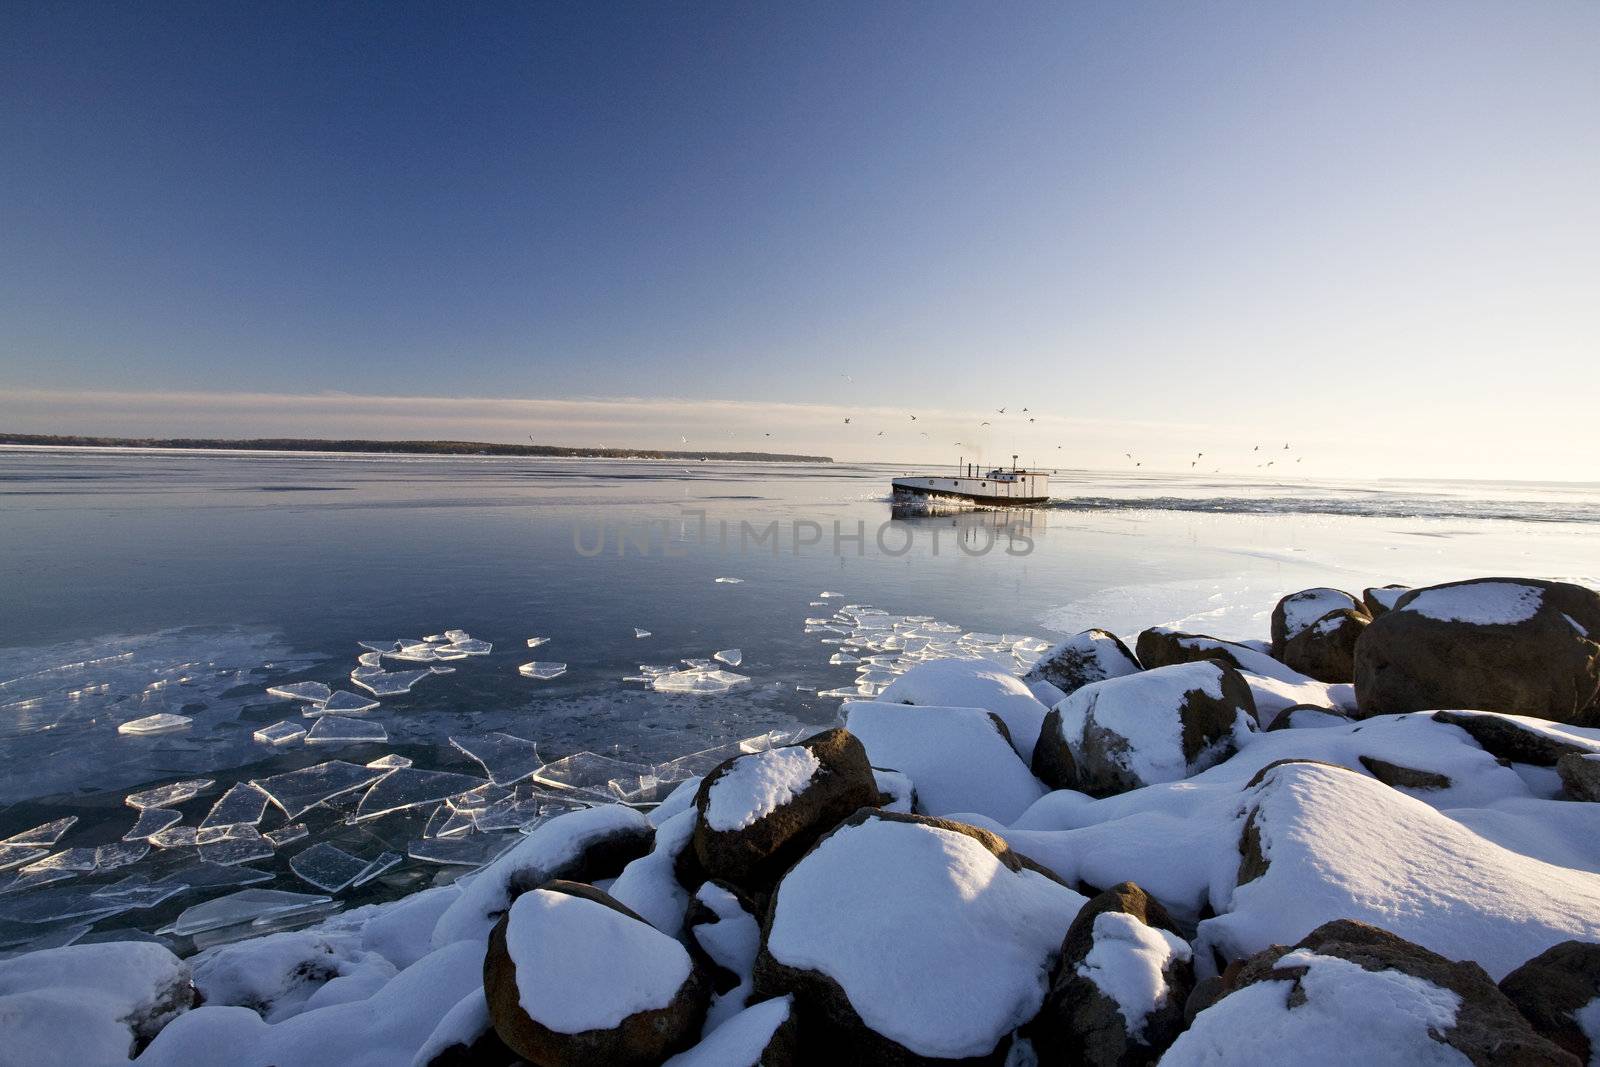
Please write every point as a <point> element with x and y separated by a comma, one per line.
<point>1120,988</point>
<point>581,846</point>
<point>1298,611</point>
<point>88,1005</point>
<point>650,885</point>
<point>1326,649</point>
<point>276,976</point>
<point>1274,686</point>
<point>1307,717</point>
<point>723,928</point>
<point>1319,843</point>
<point>954,683</point>
<point>1515,645</point>
<point>1379,599</point>
<point>465,1037</point>
<point>1555,992</point>
<point>573,978</point>
<point>1353,993</point>
<point>680,799</point>
<point>898,791</point>
<point>760,811</point>
<point>763,1035</point>
<point>903,937</point>
<point>1090,656</point>
<point>1160,725</point>
<point>958,758</point>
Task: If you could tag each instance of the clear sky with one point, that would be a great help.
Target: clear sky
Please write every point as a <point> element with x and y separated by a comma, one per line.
<point>1371,230</point>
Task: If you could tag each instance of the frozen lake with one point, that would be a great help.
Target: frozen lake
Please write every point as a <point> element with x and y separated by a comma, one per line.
<point>139,583</point>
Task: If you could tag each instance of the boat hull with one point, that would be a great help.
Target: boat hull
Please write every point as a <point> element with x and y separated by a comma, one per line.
<point>979,491</point>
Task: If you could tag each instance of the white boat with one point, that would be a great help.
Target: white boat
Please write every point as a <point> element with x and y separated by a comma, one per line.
<point>996,487</point>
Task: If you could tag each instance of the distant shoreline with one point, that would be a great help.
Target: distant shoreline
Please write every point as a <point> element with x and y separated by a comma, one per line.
<point>392,448</point>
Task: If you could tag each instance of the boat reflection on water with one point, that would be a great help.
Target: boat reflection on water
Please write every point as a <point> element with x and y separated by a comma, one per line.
<point>976,530</point>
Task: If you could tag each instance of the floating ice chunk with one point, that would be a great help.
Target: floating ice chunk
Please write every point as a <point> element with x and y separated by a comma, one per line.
<point>385,862</point>
<point>336,730</point>
<point>36,879</point>
<point>175,837</point>
<point>827,596</point>
<point>240,844</point>
<point>387,683</point>
<point>379,646</point>
<point>472,850</point>
<point>328,867</point>
<point>731,656</point>
<point>44,835</point>
<point>152,821</point>
<point>243,805</point>
<point>588,771</point>
<point>110,857</point>
<point>640,633</point>
<point>17,855</point>
<point>56,905</point>
<point>370,659</point>
<point>280,733</point>
<point>468,646</point>
<point>297,792</point>
<point>71,859</point>
<point>243,906</point>
<point>138,891</point>
<point>535,642</point>
<point>221,876</point>
<point>479,798</point>
<point>411,788</point>
<point>545,671</point>
<point>729,581</point>
<point>448,822</point>
<point>392,762</point>
<point>840,659</point>
<point>697,664</point>
<point>285,835</point>
<point>161,723</point>
<point>512,813</point>
<point>697,682</point>
<point>343,702</point>
<point>316,692</point>
<point>504,758</point>
<point>436,669</point>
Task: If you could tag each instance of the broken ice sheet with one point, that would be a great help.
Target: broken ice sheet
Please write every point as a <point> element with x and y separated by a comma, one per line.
<point>327,867</point>
<point>370,659</point>
<point>587,770</point>
<point>506,759</point>
<point>72,859</point>
<point>17,855</point>
<point>242,805</point>
<point>138,891</point>
<point>729,581</point>
<point>697,682</point>
<point>160,723</point>
<point>387,683</point>
<point>731,656</point>
<point>411,788</point>
<point>205,875</point>
<point>316,692</point>
<point>468,646</point>
<point>379,646</point>
<point>385,862</point>
<point>175,837</point>
<point>535,642</point>
<point>164,796</point>
<point>343,702</point>
<point>56,905</point>
<point>640,633</point>
<point>393,761</point>
<point>110,857</point>
<point>297,792</point>
<point>243,906</point>
<point>335,730</point>
<point>280,733</point>
<point>470,850</point>
<point>152,821</point>
<point>242,845</point>
<point>285,835</point>
<point>479,798</point>
<point>541,670</point>
<point>44,835</point>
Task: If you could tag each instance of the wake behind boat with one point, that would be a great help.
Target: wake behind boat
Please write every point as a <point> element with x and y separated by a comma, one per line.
<point>998,486</point>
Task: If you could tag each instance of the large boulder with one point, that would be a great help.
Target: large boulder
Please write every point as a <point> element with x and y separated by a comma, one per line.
<point>1274,686</point>
<point>758,812</point>
<point>909,940</point>
<point>1326,649</point>
<point>585,845</point>
<point>1090,656</point>
<point>1299,610</point>
<point>1379,599</point>
<point>1119,992</point>
<point>1515,645</point>
<point>958,683</point>
<point>1160,725</point>
<point>1162,646</point>
<point>573,978</point>
<point>1580,775</point>
<point>1519,739</point>
<point>1557,991</point>
<point>959,759</point>
<point>1353,993</point>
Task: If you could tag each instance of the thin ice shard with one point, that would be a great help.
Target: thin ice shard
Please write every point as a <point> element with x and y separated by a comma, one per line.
<point>344,702</point>
<point>411,788</point>
<point>387,683</point>
<point>242,805</point>
<point>535,642</point>
<point>57,905</point>
<point>45,835</point>
<point>506,759</point>
<point>328,867</point>
<point>370,659</point>
<point>285,835</point>
<point>316,692</point>
<point>280,733</point>
<point>17,855</point>
<point>335,730</point>
<point>542,670</point>
<point>468,646</point>
<point>472,850</point>
<point>152,821</point>
<point>391,762</point>
<point>220,876</point>
<point>175,837</point>
<point>161,723</point>
<point>699,682</point>
<point>297,792</point>
<point>122,854</point>
<point>731,656</point>
<point>138,891</point>
<point>379,646</point>
<point>243,845</point>
<point>76,860</point>
<point>243,906</point>
<point>164,796</point>
<point>729,581</point>
<point>385,862</point>
<point>640,633</point>
<point>587,770</point>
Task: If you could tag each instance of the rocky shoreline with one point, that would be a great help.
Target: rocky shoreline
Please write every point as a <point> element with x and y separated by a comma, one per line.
<point>1371,837</point>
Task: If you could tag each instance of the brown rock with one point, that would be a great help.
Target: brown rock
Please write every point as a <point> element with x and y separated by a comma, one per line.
<point>1161,647</point>
<point>1379,599</point>
<point>1392,774</point>
<point>1091,656</point>
<point>1326,649</point>
<point>1580,775</point>
<point>1509,740</point>
<point>1299,610</point>
<point>1052,756</point>
<point>1308,713</point>
<point>1553,985</point>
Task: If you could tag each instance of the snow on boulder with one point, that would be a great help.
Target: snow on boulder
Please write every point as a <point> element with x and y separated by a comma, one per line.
<point>724,933</point>
<point>88,1005</point>
<point>896,791</point>
<point>1120,988</point>
<point>1353,993</point>
<point>760,811</point>
<point>1307,717</point>
<point>1521,739</point>
<point>652,885</point>
<point>955,683</point>
<point>573,978</point>
<point>1160,725</point>
<point>958,758</point>
<point>465,1037</point>
<point>583,845</point>
<point>276,975</point>
<point>1326,649</point>
<point>1297,611</point>
<point>1090,656</point>
<point>1319,842</point>
<point>1379,599</point>
<point>905,939</point>
<point>763,1035</point>
<point>1515,645</point>
<point>1274,686</point>
<point>1556,991</point>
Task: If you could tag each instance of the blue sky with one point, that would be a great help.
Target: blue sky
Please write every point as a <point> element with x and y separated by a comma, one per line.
<point>1371,229</point>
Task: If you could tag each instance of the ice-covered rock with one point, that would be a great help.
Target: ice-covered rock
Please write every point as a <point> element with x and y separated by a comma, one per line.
<point>1556,992</point>
<point>1353,993</point>
<point>763,1035</point>
<point>1090,656</point>
<point>1516,645</point>
<point>1119,990</point>
<point>760,811</point>
<point>958,758</point>
<point>904,938</point>
<point>573,978</point>
<point>581,845</point>
<point>1297,611</point>
<point>1160,725</point>
<point>954,683</point>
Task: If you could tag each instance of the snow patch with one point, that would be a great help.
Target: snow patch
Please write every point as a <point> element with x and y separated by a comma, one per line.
<point>757,785</point>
